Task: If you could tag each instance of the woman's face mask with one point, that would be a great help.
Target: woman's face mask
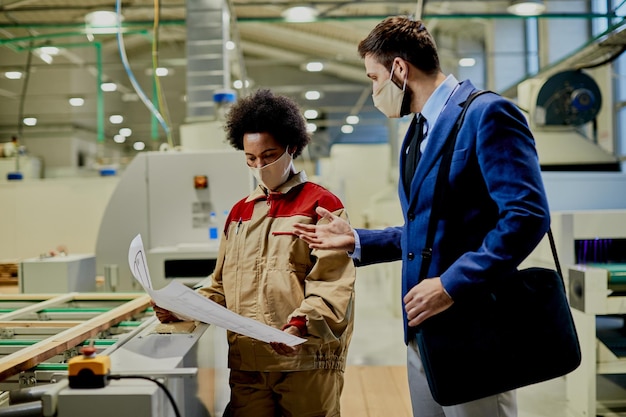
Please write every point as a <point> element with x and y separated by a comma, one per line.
<point>389,98</point>
<point>275,174</point>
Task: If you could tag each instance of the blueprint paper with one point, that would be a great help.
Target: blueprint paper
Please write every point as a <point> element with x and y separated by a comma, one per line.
<point>183,301</point>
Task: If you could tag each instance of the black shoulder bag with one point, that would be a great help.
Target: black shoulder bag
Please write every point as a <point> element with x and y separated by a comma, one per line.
<point>517,332</point>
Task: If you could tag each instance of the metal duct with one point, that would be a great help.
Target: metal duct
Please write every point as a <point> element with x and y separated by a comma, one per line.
<point>207,64</point>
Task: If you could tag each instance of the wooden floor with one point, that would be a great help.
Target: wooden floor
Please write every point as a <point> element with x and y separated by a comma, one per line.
<point>369,391</point>
<point>376,391</point>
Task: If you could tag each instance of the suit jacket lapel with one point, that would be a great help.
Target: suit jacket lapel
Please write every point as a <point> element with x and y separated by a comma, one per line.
<point>437,138</point>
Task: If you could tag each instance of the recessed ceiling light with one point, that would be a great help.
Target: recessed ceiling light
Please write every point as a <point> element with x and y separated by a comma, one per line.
<point>352,120</point>
<point>139,146</point>
<point>300,14</point>
<point>126,131</point>
<point>162,72</point>
<point>314,66</point>
<point>76,101</point>
<point>526,7</point>
<point>116,119</point>
<point>30,121</point>
<point>347,129</point>
<point>467,62</point>
<point>311,127</point>
<point>13,75</point>
<point>312,95</point>
<point>311,114</point>
<point>108,86</point>
<point>119,138</point>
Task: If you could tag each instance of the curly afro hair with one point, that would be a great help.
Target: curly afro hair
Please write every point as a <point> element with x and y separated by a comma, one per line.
<point>264,112</point>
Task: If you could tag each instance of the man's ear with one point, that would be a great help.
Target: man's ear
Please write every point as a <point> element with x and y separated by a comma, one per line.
<point>402,65</point>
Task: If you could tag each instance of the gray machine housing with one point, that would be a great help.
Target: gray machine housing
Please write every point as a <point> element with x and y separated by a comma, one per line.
<point>157,198</point>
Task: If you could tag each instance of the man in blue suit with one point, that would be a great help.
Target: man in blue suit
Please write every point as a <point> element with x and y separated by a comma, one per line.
<point>495,212</point>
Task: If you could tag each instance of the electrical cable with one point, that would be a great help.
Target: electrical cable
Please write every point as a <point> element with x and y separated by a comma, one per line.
<point>155,64</point>
<point>131,76</point>
<point>167,392</point>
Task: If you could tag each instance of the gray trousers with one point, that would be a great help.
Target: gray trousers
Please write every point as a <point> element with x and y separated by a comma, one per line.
<point>501,405</point>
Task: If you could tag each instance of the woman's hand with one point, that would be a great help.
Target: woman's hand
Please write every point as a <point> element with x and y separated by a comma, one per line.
<point>164,316</point>
<point>286,350</point>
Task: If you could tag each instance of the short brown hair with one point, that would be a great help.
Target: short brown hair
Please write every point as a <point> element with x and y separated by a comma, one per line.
<point>400,36</point>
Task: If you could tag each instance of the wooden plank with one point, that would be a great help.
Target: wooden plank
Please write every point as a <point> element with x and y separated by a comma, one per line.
<point>34,308</point>
<point>45,323</point>
<point>108,296</point>
<point>26,297</point>
<point>33,355</point>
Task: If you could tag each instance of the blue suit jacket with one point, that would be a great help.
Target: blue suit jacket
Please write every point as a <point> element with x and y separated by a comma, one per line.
<point>495,212</point>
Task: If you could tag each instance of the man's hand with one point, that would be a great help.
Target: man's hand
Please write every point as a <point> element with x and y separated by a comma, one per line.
<point>336,234</point>
<point>286,350</point>
<point>164,316</point>
<point>425,300</point>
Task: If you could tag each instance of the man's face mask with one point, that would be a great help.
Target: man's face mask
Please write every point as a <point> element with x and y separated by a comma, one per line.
<point>275,174</point>
<point>390,99</point>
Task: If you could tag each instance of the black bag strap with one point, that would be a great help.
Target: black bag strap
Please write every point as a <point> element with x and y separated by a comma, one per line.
<point>440,190</point>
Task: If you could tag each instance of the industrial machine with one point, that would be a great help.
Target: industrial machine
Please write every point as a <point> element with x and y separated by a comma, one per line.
<point>58,274</point>
<point>592,250</point>
<point>101,355</point>
<point>178,202</point>
<point>563,111</point>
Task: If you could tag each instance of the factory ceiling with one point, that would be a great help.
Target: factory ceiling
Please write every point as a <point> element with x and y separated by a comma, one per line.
<point>269,53</point>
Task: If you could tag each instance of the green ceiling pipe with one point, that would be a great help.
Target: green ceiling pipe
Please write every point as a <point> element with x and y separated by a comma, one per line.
<point>58,35</point>
<point>100,95</point>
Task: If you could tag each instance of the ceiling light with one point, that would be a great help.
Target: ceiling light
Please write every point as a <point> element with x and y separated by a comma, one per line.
<point>347,129</point>
<point>312,95</point>
<point>300,14</point>
<point>314,66</point>
<point>526,7</point>
<point>238,84</point>
<point>230,45</point>
<point>139,146</point>
<point>119,138</point>
<point>44,57</point>
<point>50,50</point>
<point>30,121</point>
<point>467,62</point>
<point>101,21</point>
<point>116,119</point>
<point>108,86</point>
<point>311,127</point>
<point>126,131</point>
<point>76,101</point>
<point>311,114</point>
<point>13,75</point>
<point>352,120</point>
<point>161,72</point>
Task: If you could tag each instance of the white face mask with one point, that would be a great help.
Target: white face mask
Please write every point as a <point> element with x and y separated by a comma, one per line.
<point>275,174</point>
<point>389,97</point>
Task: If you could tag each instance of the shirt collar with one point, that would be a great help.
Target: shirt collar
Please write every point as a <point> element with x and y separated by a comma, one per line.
<point>437,101</point>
